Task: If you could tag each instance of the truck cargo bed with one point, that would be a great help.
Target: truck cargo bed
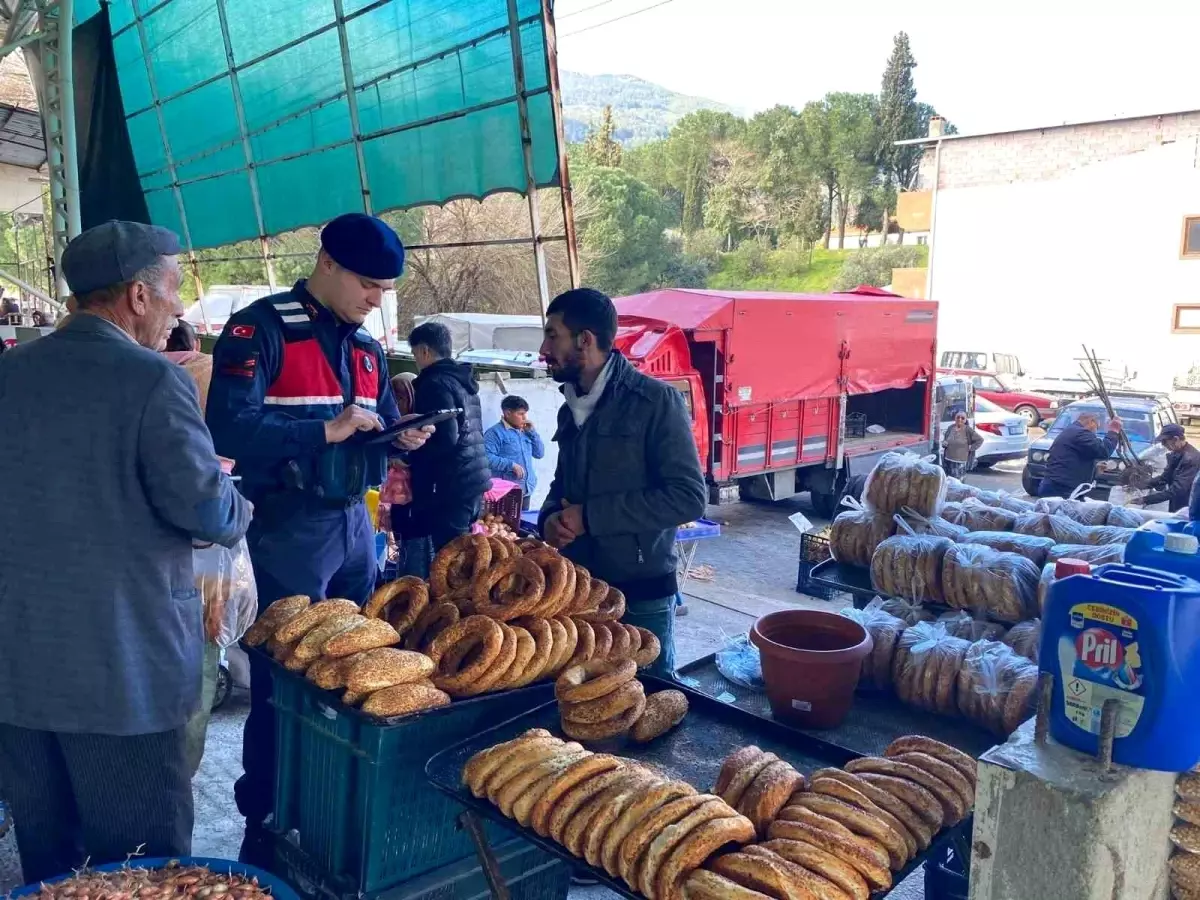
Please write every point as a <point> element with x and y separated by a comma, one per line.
<point>890,438</point>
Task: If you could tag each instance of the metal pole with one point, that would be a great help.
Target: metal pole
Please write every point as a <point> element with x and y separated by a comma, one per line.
<point>535,216</point>
<point>66,81</point>
<point>30,289</point>
<point>937,177</point>
<point>247,150</point>
<point>560,135</point>
<point>352,106</point>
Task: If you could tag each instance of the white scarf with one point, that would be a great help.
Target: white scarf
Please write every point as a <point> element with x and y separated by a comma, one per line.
<point>583,405</point>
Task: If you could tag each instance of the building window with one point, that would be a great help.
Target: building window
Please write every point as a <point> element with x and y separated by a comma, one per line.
<point>1191,238</point>
<point>1186,319</point>
<point>922,240</point>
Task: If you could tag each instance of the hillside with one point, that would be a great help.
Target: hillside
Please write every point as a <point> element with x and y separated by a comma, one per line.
<point>643,111</point>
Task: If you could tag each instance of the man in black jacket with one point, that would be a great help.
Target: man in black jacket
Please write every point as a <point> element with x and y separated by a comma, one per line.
<point>1074,454</point>
<point>450,473</point>
<point>1183,463</point>
<point>628,474</point>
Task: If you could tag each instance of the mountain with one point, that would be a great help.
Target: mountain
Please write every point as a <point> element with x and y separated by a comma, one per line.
<point>642,111</point>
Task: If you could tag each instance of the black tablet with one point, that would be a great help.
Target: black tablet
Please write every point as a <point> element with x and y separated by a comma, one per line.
<point>390,434</point>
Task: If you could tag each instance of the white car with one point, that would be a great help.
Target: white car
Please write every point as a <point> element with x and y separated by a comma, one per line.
<point>1005,434</point>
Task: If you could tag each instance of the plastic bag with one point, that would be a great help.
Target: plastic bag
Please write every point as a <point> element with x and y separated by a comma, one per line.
<point>739,662</point>
<point>1033,549</point>
<point>907,611</point>
<point>957,491</point>
<point>885,630</point>
<point>1034,524</point>
<point>1048,578</point>
<point>1025,638</point>
<point>857,532</point>
<point>1004,500</point>
<point>910,566</point>
<point>961,624</point>
<point>925,667</point>
<point>997,688</point>
<point>1125,517</point>
<point>1069,531</point>
<point>1085,512</point>
<point>1091,553</point>
<point>901,479</point>
<point>911,522</point>
<point>990,582</point>
<point>225,580</point>
<point>977,516</point>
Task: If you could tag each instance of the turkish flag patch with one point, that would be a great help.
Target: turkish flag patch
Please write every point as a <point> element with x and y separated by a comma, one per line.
<point>242,331</point>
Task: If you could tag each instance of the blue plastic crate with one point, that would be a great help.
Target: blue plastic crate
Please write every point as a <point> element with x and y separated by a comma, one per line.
<point>704,528</point>
<point>352,789</point>
<point>529,872</point>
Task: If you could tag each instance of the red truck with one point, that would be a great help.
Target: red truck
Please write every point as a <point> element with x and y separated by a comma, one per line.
<point>788,392</point>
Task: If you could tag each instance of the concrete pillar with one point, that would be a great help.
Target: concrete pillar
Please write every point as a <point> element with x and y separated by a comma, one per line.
<point>1049,825</point>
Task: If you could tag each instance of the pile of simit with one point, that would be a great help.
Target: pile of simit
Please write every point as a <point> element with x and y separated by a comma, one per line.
<point>601,700</point>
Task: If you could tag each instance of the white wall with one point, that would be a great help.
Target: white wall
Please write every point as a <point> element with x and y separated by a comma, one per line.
<point>544,399</point>
<point>20,189</point>
<point>1097,262</point>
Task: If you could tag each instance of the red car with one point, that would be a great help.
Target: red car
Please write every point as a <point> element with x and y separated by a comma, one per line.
<point>1034,407</point>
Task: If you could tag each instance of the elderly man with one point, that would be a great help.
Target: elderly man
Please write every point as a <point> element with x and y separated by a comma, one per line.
<point>109,477</point>
<point>297,379</point>
<point>1174,485</point>
<point>1075,452</point>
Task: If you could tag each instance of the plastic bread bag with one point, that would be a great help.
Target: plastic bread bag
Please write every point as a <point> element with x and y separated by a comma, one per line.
<point>977,516</point>
<point>856,533</point>
<point>1085,512</point>
<point>1068,531</point>
<point>885,630</point>
<point>910,566</point>
<point>902,479</point>
<point>1126,517</point>
<point>957,491</point>
<point>1034,524</point>
<point>925,667</point>
<point>1096,554</point>
<point>1048,578</point>
<point>1004,500</point>
<point>225,580</point>
<point>910,522</point>
<point>1025,638</point>
<point>907,611</point>
<point>961,624</point>
<point>738,661</point>
<point>997,688</point>
<point>1032,548</point>
<point>990,582</point>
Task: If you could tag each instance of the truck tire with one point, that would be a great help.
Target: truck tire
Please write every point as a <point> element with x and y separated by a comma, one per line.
<point>823,504</point>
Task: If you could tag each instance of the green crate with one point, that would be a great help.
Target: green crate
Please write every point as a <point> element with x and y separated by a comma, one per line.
<point>529,872</point>
<point>352,791</point>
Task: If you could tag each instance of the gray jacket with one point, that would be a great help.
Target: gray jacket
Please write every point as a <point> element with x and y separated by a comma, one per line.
<point>634,468</point>
<point>109,474</point>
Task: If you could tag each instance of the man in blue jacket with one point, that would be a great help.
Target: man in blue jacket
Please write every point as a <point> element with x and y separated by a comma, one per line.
<point>628,474</point>
<point>109,477</point>
<point>296,378</point>
<point>513,444</point>
<point>1074,454</point>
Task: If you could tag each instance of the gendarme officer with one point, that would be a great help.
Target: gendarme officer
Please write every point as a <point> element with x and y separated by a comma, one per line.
<point>295,379</point>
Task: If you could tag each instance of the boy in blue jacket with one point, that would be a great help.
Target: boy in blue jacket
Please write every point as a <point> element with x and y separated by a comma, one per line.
<point>512,444</point>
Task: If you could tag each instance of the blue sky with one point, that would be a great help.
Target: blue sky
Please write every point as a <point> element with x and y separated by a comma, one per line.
<point>1040,63</point>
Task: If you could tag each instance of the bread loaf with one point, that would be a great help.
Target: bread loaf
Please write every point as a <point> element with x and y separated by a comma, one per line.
<point>961,624</point>
<point>910,566</point>
<point>1048,578</point>
<point>1068,531</point>
<point>1025,638</point>
<point>914,523</point>
<point>885,630</point>
<point>982,580</point>
<point>1034,524</point>
<point>856,533</point>
<point>910,612</point>
<point>997,688</point>
<point>976,516</point>
<point>925,667</point>
<point>957,491</point>
<point>902,480</point>
<point>1033,549</point>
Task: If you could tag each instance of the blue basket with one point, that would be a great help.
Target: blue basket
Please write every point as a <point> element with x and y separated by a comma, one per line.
<point>351,790</point>
<point>280,889</point>
<point>703,528</point>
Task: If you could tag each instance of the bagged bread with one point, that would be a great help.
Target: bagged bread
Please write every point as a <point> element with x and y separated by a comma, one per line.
<point>1004,500</point>
<point>957,491</point>
<point>1095,554</point>
<point>885,630</point>
<point>1124,517</point>
<point>977,516</point>
<point>990,582</point>
<point>997,688</point>
<point>1048,578</point>
<point>910,522</point>
<point>925,667</point>
<point>1025,638</point>
<point>910,566</point>
<point>856,533</point>
<point>1032,548</point>
<point>1069,531</point>
<point>961,624</point>
<point>901,479</point>
<point>910,612</point>
<point>1034,524</point>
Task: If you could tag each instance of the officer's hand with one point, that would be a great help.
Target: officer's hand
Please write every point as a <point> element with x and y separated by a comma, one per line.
<point>350,421</point>
<point>414,438</point>
<point>518,470</point>
<point>557,533</point>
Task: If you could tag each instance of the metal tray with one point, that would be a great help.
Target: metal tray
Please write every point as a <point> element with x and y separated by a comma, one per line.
<point>874,722</point>
<point>692,752</point>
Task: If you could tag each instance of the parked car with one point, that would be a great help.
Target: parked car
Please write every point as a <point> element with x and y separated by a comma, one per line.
<point>1033,407</point>
<point>1005,434</point>
<point>979,360</point>
<point>1143,418</point>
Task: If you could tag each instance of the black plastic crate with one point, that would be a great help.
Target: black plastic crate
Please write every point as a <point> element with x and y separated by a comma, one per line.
<point>814,550</point>
<point>529,872</point>
<point>856,425</point>
<point>946,876</point>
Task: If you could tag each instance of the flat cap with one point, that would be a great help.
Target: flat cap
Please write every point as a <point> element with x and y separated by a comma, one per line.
<point>113,253</point>
<point>364,245</point>
<point>1171,431</point>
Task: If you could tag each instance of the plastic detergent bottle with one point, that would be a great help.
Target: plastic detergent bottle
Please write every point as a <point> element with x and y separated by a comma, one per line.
<point>1166,546</point>
<point>1132,635</point>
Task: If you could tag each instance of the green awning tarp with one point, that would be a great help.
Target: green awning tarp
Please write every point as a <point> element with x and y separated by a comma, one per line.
<point>436,99</point>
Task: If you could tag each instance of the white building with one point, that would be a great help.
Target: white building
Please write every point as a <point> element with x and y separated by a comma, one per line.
<point>1046,239</point>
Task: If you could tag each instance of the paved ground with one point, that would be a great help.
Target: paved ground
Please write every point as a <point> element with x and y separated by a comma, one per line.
<point>754,572</point>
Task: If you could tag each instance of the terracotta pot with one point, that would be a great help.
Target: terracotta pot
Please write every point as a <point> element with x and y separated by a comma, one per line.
<point>810,663</point>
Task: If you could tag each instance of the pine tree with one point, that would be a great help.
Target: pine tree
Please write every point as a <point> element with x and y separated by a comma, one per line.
<point>601,146</point>
<point>899,117</point>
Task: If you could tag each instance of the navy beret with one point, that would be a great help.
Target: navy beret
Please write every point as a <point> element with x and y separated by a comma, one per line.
<point>112,253</point>
<point>364,245</point>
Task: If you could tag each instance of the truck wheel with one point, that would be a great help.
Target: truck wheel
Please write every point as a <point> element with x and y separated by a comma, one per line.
<point>1027,482</point>
<point>224,687</point>
<point>823,504</point>
<point>1031,415</point>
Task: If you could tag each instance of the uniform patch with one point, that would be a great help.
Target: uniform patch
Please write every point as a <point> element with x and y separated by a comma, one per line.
<point>241,368</point>
<point>368,364</point>
<point>242,331</point>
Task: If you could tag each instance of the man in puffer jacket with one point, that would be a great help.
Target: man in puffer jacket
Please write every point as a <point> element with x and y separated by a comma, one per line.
<point>450,473</point>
